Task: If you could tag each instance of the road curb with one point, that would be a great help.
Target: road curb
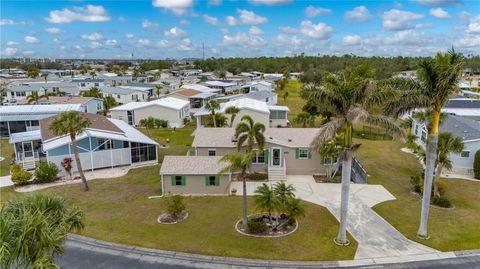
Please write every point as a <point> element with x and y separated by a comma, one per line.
<point>205,261</point>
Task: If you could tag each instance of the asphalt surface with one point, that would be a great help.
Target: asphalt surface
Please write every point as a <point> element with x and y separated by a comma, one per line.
<point>81,258</point>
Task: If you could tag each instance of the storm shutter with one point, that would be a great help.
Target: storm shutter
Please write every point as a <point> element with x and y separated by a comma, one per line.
<point>217,181</point>
<point>183,180</point>
<point>207,181</point>
<point>297,153</point>
<point>173,180</point>
<point>309,154</point>
<point>265,155</point>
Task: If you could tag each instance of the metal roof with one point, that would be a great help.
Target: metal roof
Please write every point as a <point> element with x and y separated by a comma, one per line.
<point>25,136</point>
<point>463,103</point>
<point>38,109</point>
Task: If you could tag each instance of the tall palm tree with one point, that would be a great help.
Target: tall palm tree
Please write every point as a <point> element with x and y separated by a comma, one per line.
<point>437,80</point>
<point>35,97</point>
<point>350,97</point>
<point>108,103</point>
<point>238,162</point>
<point>250,132</point>
<point>447,143</point>
<point>93,92</point>
<point>266,200</point>
<point>93,74</point>
<point>213,106</point>
<point>305,119</point>
<point>427,117</point>
<point>72,123</point>
<point>33,72</point>
<point>232,111</point>
<point>33,229</point>
<point>158,90</point>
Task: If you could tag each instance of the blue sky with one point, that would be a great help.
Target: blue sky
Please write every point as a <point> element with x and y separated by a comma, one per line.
<point>177,28</point>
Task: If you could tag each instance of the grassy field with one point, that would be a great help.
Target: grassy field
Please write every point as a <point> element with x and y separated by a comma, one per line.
<point>6,151</point>
<point>449,229</point>
<point>118,210</point>
<point>293,101</point>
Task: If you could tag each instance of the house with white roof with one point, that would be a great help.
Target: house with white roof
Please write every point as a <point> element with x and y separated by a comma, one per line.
<point>88,104</point>
<point>15,93</point>
<point>106,143</point>
<point>22,118</point>
<point>200,88</point>
<point>196,98</point>
<point>224,86</point>
<point>125,95</point>
<point>270,116</point>
<point>257,86</point>
<point>171,109</point>
<point>86,84</point>
<point>465,107</point>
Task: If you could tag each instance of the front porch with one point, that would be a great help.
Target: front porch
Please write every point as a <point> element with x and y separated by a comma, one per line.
<point>28,148</point>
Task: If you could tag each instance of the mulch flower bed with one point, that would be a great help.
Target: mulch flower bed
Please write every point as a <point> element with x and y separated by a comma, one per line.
<point>284,227</point>
<point>167,218</point>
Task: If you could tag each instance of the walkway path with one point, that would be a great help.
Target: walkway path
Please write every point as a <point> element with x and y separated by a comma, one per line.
<point>6,181</point>
<point>376,237</point>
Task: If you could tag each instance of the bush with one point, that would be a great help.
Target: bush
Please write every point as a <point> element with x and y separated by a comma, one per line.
<point>21,177</point>
<point>46,172</point>
<point>15,168</point>
<point>186,121</point>
<point>256,226</point>
<point>175,205</point>
<point>257,176</point>
<point>476,165</point>
<point>415,181</point>
<point>441,201</point>
<point>161,123</point>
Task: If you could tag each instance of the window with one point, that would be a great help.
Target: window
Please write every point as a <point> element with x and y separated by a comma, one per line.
<point>104,144</point>
<point>135,97</point>
<point>259,158</point>
<point>212,152</point>
<point>465,154</point>
<point>96,84</point>
<point>82,84</point>
<point>178,181</point>
<point>118,96</point>
<point>99,106</point>
<point>212,181</point>
<point>303,153</point>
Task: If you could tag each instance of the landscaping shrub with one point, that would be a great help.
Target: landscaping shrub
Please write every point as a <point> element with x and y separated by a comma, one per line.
<point>175,205</point>
<point>476,165</point>
<point>20,177</point>
<point>256,226</point>
<point>186,121</point>
<point>67,165</point>
<point>441,201</point>
<point>46,172</point>
<point>257,176</point>
<point>15,168</point>
<point>161,123</point>
<point>415,181</point>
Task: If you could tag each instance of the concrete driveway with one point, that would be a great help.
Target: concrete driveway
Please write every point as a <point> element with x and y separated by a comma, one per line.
<point>376,237</point>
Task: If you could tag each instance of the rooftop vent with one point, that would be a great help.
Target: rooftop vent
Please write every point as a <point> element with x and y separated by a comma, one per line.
<point>289,140</point>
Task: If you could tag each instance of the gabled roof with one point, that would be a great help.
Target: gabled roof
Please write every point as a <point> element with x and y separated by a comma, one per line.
<point>118,90</point>
<point>37,109</point>
<point>188,92</point>
<point>168,102</point>
<point>192,165</point>
<point>463,103</point>
<point>465,128</point>
<point>65,100</point>
<point>220,83</point>
<point>199,88</point>
<point>260,95</point>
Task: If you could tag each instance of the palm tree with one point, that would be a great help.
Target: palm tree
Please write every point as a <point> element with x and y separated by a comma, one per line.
<point>2,95</point>
<point>329,153</point>
<point>33,229</point>
<point>35,97</point>
<point>93,74</point>
<point>108,103</point>
<point>33,72</point>
<point>158,90</point>
<point>250,132</point>
<point>285,95</point>
<point>284,193</point>
<point>148,123</point>
<point>238,162</point>
<point>437,80</point>
<point>212,106</point>
<point>350,98</point>
<point>72,123</point>
<point>93,92</point>
<point>44,76</point>
<point>447,143</point>
<point>232,111</point>
<point>427,117</point>
<point>266,200</point>
<point>304,118</point>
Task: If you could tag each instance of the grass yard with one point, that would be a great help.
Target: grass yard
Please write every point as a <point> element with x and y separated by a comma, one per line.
<point>293,101</point>
<point>6,151</point>
<point>449,229</point>
<point>180,140</point>
<point>118,210</point>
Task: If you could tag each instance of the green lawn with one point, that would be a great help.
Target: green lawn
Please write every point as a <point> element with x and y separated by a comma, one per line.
<point>449,229</point>
<point>293,101</point>
<point>118,210</point>
<point>6,151</point>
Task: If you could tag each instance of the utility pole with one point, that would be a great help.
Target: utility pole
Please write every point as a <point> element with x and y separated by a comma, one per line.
<point>203,51</point>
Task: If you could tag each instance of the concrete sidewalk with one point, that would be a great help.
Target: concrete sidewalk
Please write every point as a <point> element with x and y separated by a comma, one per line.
<point>376,237</point>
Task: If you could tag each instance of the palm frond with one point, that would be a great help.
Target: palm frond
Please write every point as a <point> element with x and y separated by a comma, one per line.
<point>327,132</point>
<point>387,123</point>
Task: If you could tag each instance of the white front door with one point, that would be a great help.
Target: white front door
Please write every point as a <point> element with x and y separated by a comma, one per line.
<point>276,157</point>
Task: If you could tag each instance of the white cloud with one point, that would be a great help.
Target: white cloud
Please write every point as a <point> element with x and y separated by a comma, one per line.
<point>249,17</point>
<point>287,30</point>
<point>185,45</point>
<point>439,13</point>
<point>129,36</point>
<point>439,3</point>
<point>28,52</point>
<point>175,32</point>
<point>143,42</point>
<point>95,45</point>
<point>243,40</point>
<point>210,20</point>
<point>254,30</point>
<point>9,52</point>
<point>469,41</point>
<point>92,37</point>
<point>351,40</point>
<point>89,13</point>
<point>405,38</point>
<point>57,41</point>
<point>318,31</point>
<point>473,26</point>
<point>163,43</point>
<point>312,11</point>
<point>12,43</point>
<point>398,20</point>
<point>178,7</point>
<point>31,39</point>
<point>6,22</point>
<point>231,20</point>
<point>79,47</point>
<point>53,30</point>
<point>111,42</point>
<point>286,40</point>
<point>359,13</point>
<point>149,25</point>
<point>270,2</point>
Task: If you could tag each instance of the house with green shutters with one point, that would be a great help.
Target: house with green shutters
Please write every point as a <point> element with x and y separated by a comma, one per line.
<point>287,151</point>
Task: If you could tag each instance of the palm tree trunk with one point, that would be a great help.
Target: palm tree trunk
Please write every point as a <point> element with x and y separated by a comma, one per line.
<point>346,176</point>
<point>431,155</point>
<point>214,120</point>
<point>79,163</point>
<point>244,210</point>
<point>437,179</point>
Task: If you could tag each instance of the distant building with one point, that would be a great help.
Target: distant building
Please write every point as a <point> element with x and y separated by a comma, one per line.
<point>124,95</point>
<point>88,104</point>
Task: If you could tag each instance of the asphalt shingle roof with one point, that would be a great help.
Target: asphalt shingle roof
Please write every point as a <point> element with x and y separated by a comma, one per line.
<point>192,165</point>
<point>462,127</point>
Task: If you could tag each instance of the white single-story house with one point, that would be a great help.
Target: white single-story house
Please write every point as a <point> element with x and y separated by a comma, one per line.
<point>124,95</point>
<point>172,109</point>
<point>467,129</point>
<point>265,96</point>
<point>106,143</point>
<point>86,84</point>
<point>270,116</point>
<point>196,98</point>
<point>89,104</point>
<point>258,85</point>
<point>15,93</point>
<point>224,86</point>
<point>465,107</point>
<point>200,88</point>
<point>23,118</point>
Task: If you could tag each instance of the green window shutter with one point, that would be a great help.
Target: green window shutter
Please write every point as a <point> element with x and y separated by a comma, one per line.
<point>297,153</point>
<point>217,181</point>
<point>173,180</point>
<point>183,180</point>
<point>265,155</point>
<point>309,154</point>
<point>206,181</point>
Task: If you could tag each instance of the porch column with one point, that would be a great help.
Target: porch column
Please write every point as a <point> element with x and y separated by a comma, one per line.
<point>91,151</point>
<point>33,151</point>
<point>8,127</point>
<point>199,122</point>
<point>111,152</point>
